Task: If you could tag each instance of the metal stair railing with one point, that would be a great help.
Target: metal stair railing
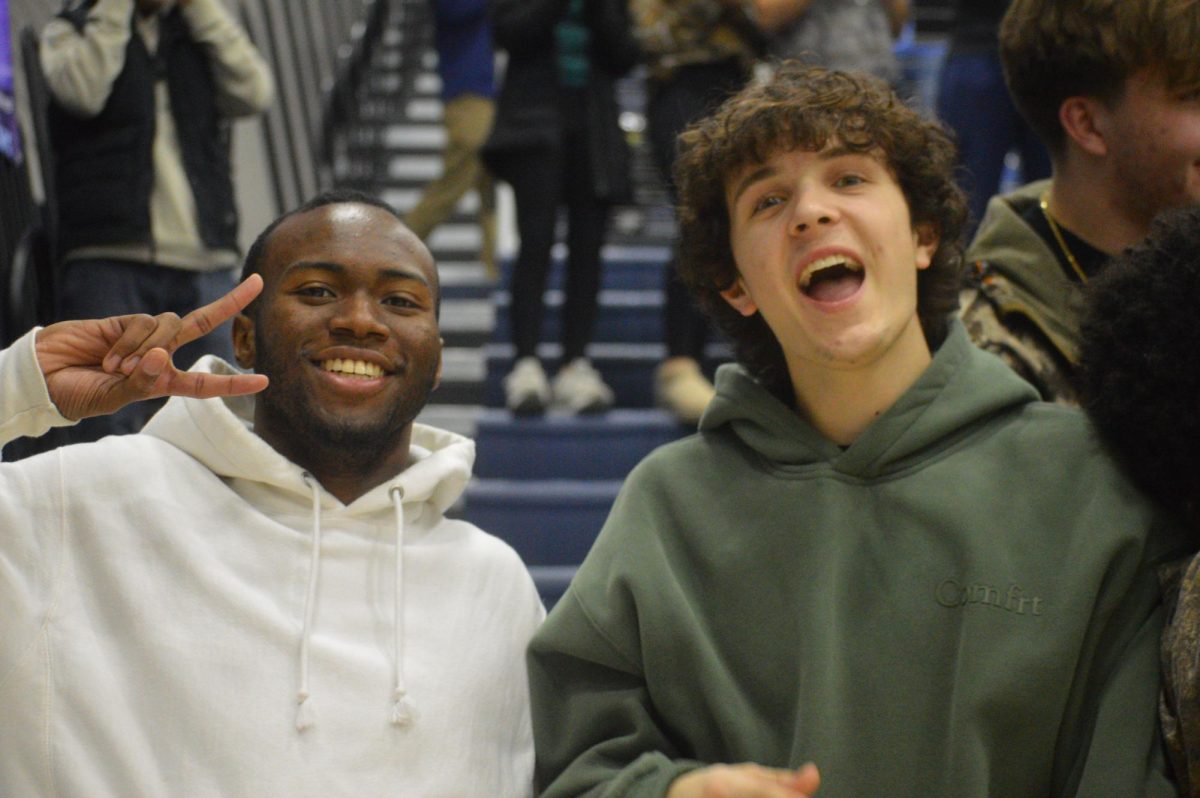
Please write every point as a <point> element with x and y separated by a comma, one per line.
<point>319,51</point>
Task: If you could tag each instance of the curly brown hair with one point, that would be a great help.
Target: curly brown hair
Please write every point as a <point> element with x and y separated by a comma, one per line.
<point>809,108</point>
<point>1055,49</point>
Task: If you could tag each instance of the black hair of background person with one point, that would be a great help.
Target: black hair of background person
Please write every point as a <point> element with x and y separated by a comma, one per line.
<point>1140,361</point>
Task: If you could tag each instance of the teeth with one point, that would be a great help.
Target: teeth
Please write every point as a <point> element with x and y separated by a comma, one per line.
<point>828,262</point>
<point>357,368</point>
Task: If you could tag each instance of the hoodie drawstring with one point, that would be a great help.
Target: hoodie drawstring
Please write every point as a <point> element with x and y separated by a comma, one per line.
<point>402,711</point>
<point>304,712</point>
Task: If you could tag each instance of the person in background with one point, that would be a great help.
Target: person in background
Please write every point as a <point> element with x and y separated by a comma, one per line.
<point>259,595</point>
<point>796,587</point>
<point>1140,382</point>
<point>973,100</point>
<point>698,52</point>
<point>556,141</point>
<point>1113,90</point>
<point>856,35</point>
<point>141,96</point>
<point>463,37</point>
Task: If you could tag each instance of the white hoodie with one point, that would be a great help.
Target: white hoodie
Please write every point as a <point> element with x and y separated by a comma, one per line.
<point>168,599</point>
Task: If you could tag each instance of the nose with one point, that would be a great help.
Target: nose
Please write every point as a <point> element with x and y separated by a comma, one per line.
<point>812,211</point>
<point>358,315</point>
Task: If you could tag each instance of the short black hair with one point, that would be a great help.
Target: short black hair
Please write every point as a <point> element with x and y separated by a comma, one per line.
<point>1140,361</point>
<point>258,250</point>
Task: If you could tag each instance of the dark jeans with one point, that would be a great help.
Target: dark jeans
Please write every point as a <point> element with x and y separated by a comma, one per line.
<point>974,101</point>
<point>691,92</point>
<point>545,180</point>
<point>96,289</point>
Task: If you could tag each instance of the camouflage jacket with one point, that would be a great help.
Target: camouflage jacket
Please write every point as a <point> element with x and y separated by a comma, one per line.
<point>675,33</point>
<point>1018,304</point>
<point>1180,706</point>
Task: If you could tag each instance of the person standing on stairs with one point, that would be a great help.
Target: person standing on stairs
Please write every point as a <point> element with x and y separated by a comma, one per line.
<point>557,142</point>
<point>848,35</point>
<point>698,53</point>
<point>259,595</point>
<point>463,37</point>
<point>142,95</point>
<point>865,562</point>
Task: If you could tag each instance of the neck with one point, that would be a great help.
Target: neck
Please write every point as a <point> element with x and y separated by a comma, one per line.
<point>347,469</point>
<point>1085,203</point>
<point>841,403</point>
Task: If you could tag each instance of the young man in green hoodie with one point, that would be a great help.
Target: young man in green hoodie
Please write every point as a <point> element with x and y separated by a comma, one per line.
<point>864,562</point>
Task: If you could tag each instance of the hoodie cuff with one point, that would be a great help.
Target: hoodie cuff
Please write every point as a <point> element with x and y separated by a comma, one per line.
<point>25,405</point>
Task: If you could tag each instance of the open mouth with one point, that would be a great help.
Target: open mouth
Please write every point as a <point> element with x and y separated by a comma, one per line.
<point>832,278</point>
<point>352,368</point>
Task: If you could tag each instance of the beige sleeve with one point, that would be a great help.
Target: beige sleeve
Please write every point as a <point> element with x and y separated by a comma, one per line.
<point>80,66</point>
<point>244,82</point>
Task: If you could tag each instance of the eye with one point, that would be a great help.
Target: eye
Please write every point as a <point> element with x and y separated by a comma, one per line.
<point>313,292</point>
<point>765,202</point>
<point>849,180</point>
<point>402,301</point>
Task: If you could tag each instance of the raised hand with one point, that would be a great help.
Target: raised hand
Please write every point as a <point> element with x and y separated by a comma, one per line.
<point>97,366</point>
<point>746,781</point>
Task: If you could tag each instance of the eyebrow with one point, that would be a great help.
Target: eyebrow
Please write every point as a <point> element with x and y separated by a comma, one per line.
<point>765,171</point>
<point>338,268</point>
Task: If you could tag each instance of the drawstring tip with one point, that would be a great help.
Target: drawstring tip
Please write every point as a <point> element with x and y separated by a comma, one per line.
<point>304,715</point>
<point>402,713</point>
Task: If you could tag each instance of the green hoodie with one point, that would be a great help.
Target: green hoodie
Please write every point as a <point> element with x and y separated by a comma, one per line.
<point>958,604</point>
<point>1021,306</point>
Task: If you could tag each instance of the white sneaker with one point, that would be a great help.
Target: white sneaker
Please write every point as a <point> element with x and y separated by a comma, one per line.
<point>526,390</point>
<point>680,387</point>
<point>578,388</point>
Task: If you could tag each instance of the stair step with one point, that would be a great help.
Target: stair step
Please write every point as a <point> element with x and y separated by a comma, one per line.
<point>405,199</point>
<point>623,316</point>
<point>406,137</point>
<point>628,368</point>
<point>424,109</point>
<point>462,419</point>
<point>552,581</point>
<point>416,168</point>
<point>604,446</point>
<point>548,522</point>
<point>628,268</point>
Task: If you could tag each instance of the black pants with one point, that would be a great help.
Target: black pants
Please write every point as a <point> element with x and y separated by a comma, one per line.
<point>691,92</point>
<point>545,180</point>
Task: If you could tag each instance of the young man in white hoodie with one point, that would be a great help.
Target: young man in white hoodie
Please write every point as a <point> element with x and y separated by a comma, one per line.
<point>259,595</point>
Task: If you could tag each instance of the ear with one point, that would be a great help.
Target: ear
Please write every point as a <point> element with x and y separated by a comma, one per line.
<point>1083,120</point>
<point>243,340</point>
<point>739,298</point>
<point>927,240</point>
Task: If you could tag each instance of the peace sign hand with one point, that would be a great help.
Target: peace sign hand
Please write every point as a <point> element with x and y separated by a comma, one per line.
<point>97,366</point>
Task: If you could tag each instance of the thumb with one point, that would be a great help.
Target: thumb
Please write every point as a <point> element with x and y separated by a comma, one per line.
<point>143,381</point>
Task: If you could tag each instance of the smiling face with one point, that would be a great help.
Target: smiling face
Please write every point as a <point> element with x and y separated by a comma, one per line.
<point>346,330</point>
<point>826,252</point>
<point>1153,140</point>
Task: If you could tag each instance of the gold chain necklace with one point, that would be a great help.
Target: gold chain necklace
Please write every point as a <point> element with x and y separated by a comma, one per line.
<point>1062,244</point>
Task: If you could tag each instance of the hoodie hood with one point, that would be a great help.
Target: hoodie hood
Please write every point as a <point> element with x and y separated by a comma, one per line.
<point>1021,273</point>
<point>220,434</point>
<point>961,389</point>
